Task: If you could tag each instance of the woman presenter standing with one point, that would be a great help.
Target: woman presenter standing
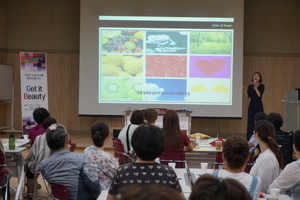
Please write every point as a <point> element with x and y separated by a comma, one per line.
<point>254,92</point>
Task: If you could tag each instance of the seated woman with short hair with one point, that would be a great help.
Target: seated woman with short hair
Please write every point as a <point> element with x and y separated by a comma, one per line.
<point>208,187</point>
<point>235,155</point>
<point>149,143</point>
<point>68,168</point>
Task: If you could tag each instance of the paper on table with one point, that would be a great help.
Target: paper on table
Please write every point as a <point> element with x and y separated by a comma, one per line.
<point>213,143</point>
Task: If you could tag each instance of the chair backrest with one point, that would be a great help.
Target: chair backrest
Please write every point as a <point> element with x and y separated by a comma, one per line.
<point>3,180</point>
<point>285,142</point>
<point>119,150</point>
<point>173,155</point>
<point>72,146</point>
<point>59,191</point>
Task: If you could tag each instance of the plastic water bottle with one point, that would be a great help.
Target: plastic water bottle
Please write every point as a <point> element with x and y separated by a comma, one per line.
<point>11,142</point>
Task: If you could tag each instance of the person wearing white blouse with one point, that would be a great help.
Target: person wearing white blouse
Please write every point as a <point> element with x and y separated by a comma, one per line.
<point>270,161</point>
<point>289,179</point>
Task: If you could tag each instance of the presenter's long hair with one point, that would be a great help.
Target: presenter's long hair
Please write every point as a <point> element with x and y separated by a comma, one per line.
<point>171,129</point>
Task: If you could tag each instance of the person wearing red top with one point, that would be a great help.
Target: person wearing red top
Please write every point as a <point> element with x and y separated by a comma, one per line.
<point>39,115</point>
<point>175,138</point>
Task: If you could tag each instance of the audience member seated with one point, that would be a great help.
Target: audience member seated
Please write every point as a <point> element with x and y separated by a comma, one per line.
<point>68,168</point>
<point>289,179</point>
<point>38,152</point>
<point>150,192</point>
<point>270,162</point>
<point>149,143</point>
<point>136,119</point>
<point>105,164</point>
<point>252,143</point>
<point>235,155</point>
<point>281,137</point>
<point>150,116</point>
<point>39,115</point>
<point>175,138</point>
<point>208,187</point>
<point>3,165</point>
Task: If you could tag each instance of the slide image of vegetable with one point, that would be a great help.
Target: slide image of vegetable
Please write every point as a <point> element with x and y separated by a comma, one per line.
<point>170,89</point>
<point>166,66</point>
<point>122,41</point>
<point>211,42</point>
<point>166,42</point>
<point>210,66</point>
<point>220,88</point>
<point>134,88</point>
<point>122,66</point>
<point>113,89</point>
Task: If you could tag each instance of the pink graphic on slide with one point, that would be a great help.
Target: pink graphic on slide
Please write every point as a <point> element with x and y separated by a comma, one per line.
<point>210,66</point>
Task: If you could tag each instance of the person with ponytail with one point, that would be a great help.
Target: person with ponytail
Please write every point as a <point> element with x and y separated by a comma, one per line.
<point>150,116</point>
<point>270,161</point>
<point>235,154</point>
<point>106,165</point>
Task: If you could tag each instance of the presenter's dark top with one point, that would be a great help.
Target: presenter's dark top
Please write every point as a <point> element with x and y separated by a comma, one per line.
<point>256,104</point>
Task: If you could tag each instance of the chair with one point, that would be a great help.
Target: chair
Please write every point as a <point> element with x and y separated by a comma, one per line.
<point>4,177</point>
<point>285,142</point>
<point>72,146</point>
<point>59,191</point>
<point>35,187</point>
<point>173,155</point>
<point>120,152</point>
<point>219,164</point>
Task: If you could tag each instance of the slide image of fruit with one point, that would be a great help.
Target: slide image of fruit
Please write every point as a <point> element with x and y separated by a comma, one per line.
<point>121,41</point>
<point>122,66</point>
<point>210,66</point>
<point>220,88</point>
<point>166,42</point>
<point>112,89</point>
<point>198,88</point>
<point>170,89</point>
<point>166,66</point>
<point>211,43</point>
<point>134,88</point>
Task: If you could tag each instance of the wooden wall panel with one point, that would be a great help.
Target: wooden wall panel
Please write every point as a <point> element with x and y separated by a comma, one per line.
<point>279,74</point>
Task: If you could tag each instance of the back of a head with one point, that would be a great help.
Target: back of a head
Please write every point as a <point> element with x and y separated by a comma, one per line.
<point>56,136</point>
<point>236,152</point>
<point>148,142</point>
<point>40,114</point>
<point>137,117</point>
<point>296,140</point>
<point>266,131</point>
<point>208,187</point>
<point>99,132</point>
<point>150,116</point>
<point>259,116</point>
<point>171,119</point>
<point>275,119</point>
<point>150,192</point>
<point>48,122</point>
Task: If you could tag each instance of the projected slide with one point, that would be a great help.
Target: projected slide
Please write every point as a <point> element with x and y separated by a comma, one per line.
<point>165,66</point>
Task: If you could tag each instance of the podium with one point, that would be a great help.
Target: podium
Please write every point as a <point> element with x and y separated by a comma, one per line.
<point>184,118</point>
<point>291,110</point>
